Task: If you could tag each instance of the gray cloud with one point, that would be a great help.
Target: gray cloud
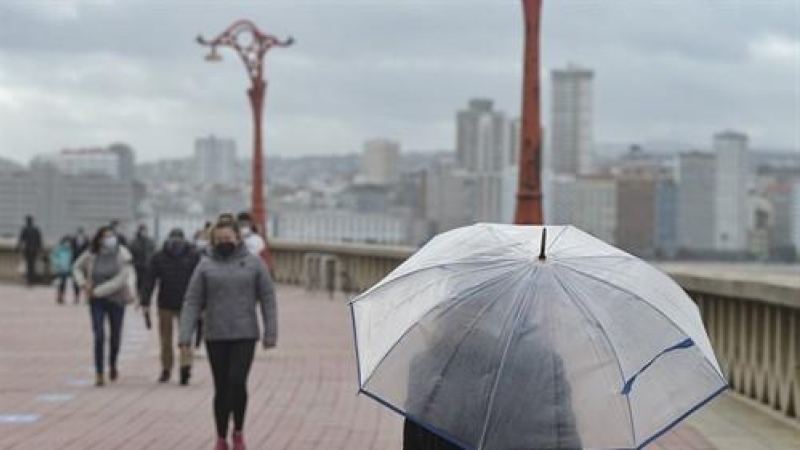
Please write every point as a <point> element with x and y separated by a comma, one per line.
<point>93,71</point>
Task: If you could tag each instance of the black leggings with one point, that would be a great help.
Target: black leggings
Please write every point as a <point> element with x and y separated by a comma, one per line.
<point>230,365</point>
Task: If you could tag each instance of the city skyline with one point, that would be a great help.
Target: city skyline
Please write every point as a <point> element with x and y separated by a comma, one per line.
<point>659,76</point>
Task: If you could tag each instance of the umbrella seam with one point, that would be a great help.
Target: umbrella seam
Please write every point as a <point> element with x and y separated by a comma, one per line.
<point>518,315</point>
<point>379,286</point>
<point>585,310</point>
<point>476,289</point>
<point>640,298</point>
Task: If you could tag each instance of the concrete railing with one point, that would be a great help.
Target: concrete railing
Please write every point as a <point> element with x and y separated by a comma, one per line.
<point>753,319</point>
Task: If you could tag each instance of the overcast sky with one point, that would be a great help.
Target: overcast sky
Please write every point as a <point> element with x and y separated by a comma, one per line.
<point>79,73</point>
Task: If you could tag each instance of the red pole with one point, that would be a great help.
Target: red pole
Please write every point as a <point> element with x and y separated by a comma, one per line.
<point>257,94</point>
<point>252,56</point>
<point>529,191</point>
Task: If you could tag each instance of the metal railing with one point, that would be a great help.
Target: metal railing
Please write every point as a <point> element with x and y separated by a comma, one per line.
<point>753,320</point>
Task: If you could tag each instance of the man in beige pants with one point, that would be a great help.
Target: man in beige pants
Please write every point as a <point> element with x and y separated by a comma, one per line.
<point>170,270</point>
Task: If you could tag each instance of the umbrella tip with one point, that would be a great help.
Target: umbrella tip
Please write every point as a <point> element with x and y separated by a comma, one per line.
<point>542,257</point>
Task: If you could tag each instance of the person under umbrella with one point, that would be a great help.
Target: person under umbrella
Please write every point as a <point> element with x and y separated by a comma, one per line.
<point>495,337</point>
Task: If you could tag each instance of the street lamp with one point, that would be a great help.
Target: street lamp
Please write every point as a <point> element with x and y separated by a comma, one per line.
<point>529,191</point>
<point>252,45</point>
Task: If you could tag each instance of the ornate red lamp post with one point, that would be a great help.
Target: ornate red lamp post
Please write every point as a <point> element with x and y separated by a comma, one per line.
<point>529,191</point>
<point>252,45</point>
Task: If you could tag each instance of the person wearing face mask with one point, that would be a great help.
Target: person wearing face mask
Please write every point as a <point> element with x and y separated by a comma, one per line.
<point>170,270</point>
<point>255,243</point>
<point>104,273</point>
<point>227,287</point>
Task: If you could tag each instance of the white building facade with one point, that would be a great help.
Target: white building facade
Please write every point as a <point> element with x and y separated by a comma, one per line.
<point>215,160</point>
<point>380,162</point>
<point>571,130</point>
<point>731,203</point>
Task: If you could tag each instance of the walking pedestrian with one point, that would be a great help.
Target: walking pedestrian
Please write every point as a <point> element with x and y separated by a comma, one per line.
<point>227,286</point>
<point>254,242</point>
<point>171,269</point>
<point>104,273</point>
<point>142,249</point>
<point>30,245</point>
<point>61,265</point>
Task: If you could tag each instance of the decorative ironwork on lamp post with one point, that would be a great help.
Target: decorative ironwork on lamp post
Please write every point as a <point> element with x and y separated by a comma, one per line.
<point>252,45</point>
<point>529,191</point>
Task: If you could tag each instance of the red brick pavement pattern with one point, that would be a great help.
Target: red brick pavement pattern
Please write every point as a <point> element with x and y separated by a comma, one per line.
<point>302,395</point>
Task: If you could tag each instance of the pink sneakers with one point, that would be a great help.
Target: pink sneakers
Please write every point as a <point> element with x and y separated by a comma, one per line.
<point>222,444</point>
<point>238,441</point>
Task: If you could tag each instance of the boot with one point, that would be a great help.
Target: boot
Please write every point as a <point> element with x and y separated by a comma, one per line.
<point>113,374</point>
<point>99,380</point>
<point>164,378</point>
<point>222,444</point>
<point>238,441</point>
<point>186,373</point>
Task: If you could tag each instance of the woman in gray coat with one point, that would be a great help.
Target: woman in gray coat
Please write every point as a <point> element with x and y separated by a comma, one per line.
<point>105,273</point>
<point>227,286</point>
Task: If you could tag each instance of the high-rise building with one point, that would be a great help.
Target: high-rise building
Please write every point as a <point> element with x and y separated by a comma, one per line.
<point>571,138</point>
<point>60,203</point>
<point>589,203</point>
<point>636,215</point>
<point>126,161</point>
<point>449,197</point>
<point>482,149</point>
<point>481,137</point>
<point>696,216</point>
<point>84,161</point>
<point>215,160</point>
<point>380,163</point>
<point>733,168</point>
<point>666,222</point>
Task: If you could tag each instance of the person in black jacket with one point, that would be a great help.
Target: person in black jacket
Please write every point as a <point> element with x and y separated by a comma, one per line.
<point>171,269</point>
<point>30,245</point>
<point>142,248</point>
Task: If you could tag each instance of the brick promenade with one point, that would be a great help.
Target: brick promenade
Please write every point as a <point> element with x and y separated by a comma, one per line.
<point>302,395</point>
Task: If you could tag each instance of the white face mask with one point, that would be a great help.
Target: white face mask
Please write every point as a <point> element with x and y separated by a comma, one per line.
<point>201,244</point>
<point>110,242</point>
<point>246,231</point>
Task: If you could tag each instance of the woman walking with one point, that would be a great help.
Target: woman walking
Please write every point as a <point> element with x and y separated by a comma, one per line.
<point>104,273</point>
<point>61,264</point>
<point>227,286</point>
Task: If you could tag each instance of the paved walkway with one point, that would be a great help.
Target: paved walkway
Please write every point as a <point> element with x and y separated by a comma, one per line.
<point>302,395</point>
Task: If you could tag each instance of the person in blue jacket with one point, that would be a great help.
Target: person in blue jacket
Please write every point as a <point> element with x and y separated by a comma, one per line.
<point>61,265</point>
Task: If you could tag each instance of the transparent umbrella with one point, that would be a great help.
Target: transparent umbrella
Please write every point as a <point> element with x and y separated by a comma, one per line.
<point>505,337</point>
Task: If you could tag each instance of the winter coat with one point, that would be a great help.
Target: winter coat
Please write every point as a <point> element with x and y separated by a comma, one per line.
<point>30,241</point>
<point>171,269</point>
<point>227,290</point>
<point>120,288</point>
<point>142,248</point>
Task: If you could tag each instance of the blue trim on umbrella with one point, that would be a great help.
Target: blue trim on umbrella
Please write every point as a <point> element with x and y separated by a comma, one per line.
<point>456,442</point>
<point>680,419</point>
<point>687,343</point>
<point>430,428</point>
